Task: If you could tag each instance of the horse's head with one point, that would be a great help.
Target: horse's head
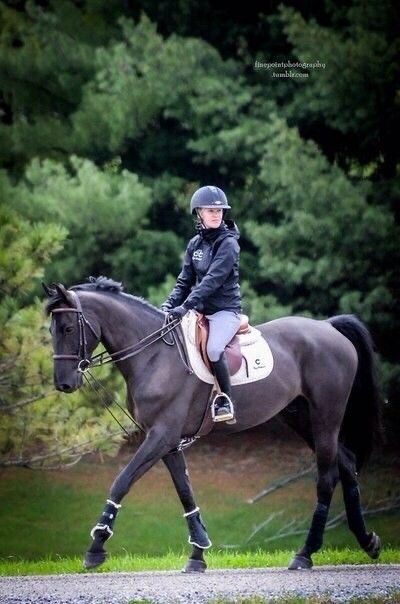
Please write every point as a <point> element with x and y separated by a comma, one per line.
<point>74,336</point>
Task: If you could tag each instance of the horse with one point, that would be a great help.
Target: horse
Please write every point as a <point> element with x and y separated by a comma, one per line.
<point>323,384</point>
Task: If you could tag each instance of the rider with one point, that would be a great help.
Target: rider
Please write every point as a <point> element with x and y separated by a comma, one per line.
<point>209,283</point>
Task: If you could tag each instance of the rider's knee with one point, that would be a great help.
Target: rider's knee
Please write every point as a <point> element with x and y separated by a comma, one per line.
<point>214,352</point>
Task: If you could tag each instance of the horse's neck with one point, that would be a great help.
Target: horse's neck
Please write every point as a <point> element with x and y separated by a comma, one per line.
<point>124,325</point>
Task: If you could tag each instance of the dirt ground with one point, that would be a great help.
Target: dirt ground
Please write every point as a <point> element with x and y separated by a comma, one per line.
<point>241,462</point>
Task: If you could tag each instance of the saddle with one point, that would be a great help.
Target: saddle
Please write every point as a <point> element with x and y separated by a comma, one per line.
<point>232,350</point>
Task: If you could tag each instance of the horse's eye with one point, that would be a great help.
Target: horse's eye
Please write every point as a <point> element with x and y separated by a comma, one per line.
<point>69,329</point>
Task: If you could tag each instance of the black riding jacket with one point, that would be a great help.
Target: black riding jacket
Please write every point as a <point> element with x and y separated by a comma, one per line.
<point>209,279</point>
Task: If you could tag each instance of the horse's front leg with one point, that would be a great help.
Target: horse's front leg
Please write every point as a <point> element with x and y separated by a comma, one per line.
<point>154,447</point>
<point>176,464</point>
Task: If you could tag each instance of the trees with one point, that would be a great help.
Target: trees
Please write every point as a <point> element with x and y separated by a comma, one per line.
<point>112,116</point>
<point>38,427</point>
<point>99,208</point>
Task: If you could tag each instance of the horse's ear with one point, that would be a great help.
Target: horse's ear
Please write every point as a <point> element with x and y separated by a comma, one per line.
<point>48,290</point>
<point>65,294</point>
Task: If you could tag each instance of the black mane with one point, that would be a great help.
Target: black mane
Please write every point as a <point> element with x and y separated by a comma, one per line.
<point>103,284</point>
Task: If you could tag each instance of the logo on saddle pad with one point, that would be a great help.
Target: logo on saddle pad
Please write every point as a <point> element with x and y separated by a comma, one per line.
<point>259,364</point>
<point>256,356</point>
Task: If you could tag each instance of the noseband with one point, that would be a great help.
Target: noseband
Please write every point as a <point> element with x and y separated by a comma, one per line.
<point>83,362</point>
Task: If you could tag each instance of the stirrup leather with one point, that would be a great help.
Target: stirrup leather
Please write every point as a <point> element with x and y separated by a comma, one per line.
<point>227,416</point>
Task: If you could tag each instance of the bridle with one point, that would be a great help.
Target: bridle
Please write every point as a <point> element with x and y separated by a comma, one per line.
<point>82,321</point>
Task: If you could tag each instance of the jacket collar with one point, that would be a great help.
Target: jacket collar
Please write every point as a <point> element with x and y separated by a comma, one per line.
<point>227,227</point>
<point>212,234</point>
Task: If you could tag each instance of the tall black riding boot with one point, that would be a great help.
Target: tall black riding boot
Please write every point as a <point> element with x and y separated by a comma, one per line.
<point>223,407</point>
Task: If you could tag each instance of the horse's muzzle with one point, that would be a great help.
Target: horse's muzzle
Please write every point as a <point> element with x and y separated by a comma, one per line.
<point>65,387</point>
<point>69,384</point>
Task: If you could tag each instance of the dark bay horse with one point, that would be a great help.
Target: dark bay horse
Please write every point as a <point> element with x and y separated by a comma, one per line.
<point>323,383</point>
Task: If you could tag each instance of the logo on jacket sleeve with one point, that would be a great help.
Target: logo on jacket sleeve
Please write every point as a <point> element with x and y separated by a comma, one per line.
<point>197,255</point>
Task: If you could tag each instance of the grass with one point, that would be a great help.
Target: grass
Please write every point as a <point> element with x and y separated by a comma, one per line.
<point>45,517</point>
<point>176,561</point>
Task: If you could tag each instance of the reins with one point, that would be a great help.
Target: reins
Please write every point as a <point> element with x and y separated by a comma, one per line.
<point>96,386</point>
<point>130,351</point>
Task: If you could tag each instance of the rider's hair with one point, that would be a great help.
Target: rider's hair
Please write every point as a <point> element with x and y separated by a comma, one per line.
<point>198,223</point>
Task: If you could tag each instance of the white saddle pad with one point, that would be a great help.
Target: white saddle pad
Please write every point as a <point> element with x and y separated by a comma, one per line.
<point>257,360</point>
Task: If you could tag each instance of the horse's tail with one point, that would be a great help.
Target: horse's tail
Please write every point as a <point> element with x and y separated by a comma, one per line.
<point>362,423</point>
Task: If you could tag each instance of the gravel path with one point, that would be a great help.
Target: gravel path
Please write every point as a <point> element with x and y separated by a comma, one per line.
<point>340,583</point>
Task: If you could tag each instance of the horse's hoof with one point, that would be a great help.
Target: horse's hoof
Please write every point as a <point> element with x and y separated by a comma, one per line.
<point>195,566</point>
<point>300,563</point>
<point>374,547</point>
<point>94,559</point>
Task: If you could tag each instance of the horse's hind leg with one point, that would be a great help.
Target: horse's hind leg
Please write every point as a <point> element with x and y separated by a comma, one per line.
<point>325,421</point>
<point>328,476</point>
<point>369,542</point>
<point>297,416</point>
<point>176,464</point>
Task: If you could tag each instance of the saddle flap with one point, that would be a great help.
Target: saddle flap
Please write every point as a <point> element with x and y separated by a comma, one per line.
<point>202,329</point>
<point>232,350</point>
<point>233,355</point>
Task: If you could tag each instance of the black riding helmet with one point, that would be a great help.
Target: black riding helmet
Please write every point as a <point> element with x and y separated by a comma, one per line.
<point>209,197</point>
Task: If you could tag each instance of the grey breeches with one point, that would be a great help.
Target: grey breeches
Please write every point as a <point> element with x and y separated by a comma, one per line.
<point>223,326</point>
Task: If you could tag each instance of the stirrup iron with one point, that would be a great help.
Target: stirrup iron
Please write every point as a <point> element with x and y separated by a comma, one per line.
<point>227,416</point>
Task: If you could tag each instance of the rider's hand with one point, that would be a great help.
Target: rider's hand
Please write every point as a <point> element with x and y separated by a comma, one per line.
<point>178,312</point>
<point>165,308</point>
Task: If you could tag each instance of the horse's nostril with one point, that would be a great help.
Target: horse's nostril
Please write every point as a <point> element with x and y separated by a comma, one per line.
<point>65,387</point>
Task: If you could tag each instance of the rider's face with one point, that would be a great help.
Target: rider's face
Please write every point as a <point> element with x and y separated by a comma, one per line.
<point>212,217</point>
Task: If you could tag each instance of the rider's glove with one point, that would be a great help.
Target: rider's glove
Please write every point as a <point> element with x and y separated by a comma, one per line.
<point>178,312</point>
<point>165,308</point>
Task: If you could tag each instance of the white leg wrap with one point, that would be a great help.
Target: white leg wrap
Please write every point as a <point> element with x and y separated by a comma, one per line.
<point>101,527</point>
<point>192,512</point>
<point>200,546</point>
<point>116,505</point>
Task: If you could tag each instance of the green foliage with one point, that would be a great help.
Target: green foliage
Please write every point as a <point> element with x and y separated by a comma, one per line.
<point>110,120</point>
<point>325,244</point>
<point>157,294</point>
<point>358,85</point>
<point>38,424</point>
<point>100,209</point>
<point>131,260</point>
<point>44,64</point>
<point>25,248</point>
